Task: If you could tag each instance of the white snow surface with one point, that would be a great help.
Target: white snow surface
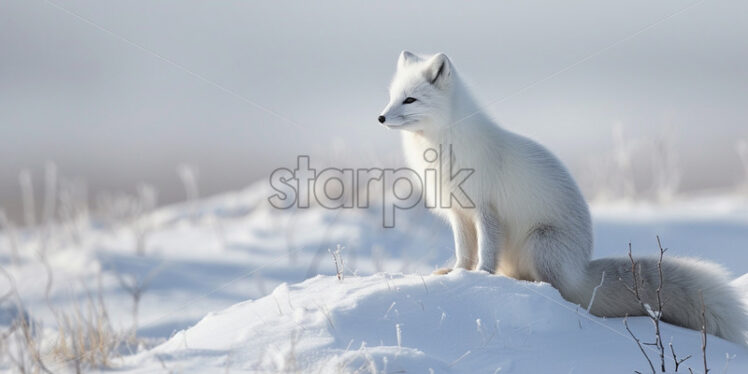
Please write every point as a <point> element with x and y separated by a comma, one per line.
<point>463,322</point>
<point>290,313</point>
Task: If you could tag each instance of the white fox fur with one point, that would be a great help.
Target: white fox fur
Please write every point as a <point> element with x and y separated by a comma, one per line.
<point>529,219</point>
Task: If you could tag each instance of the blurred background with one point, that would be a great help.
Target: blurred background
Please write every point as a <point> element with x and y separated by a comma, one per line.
<point>641,99</point>
<point>111,109</point>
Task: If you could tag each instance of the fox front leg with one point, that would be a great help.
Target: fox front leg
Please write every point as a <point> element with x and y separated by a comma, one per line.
<point>488,233</point>
<point>466,247</point>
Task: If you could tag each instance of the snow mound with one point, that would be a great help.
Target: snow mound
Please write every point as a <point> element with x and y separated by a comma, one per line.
<point>464,322</point>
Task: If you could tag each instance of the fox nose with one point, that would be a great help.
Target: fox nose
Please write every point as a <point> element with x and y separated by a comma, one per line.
<point>381,119</point>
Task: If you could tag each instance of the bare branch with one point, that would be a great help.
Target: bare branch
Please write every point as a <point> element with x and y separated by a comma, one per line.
<point>654,314</point>
<point>594,292</point>
<point>638,342</point>
<point>703,332</point>
<point>136,287</point>
<point>337,258</point>
<point>658,314</point>
<point>675,358</point>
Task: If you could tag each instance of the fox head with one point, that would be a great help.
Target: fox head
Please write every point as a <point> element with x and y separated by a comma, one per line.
<point>420,92</point>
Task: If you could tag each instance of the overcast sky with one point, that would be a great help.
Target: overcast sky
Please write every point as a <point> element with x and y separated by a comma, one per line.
<point>121,92</point>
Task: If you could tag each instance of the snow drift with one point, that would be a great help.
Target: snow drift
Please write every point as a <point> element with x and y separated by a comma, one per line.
<point>464,322</point>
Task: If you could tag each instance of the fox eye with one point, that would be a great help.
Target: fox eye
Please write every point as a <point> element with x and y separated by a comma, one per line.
<point>409,100</point>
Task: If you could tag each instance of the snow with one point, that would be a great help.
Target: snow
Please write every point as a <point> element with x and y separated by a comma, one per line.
<point>230,282</point>
<point>463,322</point>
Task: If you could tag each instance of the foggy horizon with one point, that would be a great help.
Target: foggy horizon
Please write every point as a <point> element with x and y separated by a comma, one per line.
<point>119,94</point>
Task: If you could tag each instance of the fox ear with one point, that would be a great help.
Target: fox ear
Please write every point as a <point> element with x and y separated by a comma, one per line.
<point>438,70</point>
<point>405,58</point>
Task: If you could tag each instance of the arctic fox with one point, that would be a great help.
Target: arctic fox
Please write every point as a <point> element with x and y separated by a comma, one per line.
<point>529,220</point>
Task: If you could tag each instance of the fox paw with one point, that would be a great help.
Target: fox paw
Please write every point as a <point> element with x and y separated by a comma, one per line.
<point>442,271</point>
